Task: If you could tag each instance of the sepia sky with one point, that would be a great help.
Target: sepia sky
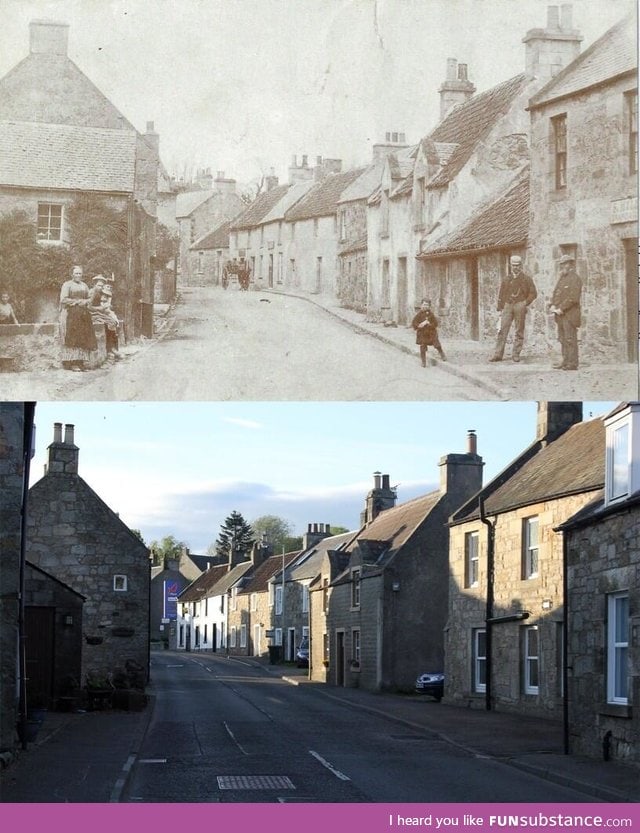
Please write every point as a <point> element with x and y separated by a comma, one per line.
<point>242,85</point>
<point>180,468</point>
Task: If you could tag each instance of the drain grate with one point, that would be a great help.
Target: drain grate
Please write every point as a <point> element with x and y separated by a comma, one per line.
<point>254,782</point>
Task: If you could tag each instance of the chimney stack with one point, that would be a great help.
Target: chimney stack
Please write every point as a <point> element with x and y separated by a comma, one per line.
<point>48,37</point>
<point>63,454</point>
<point>456,88</point>
<point>380,498</point>
<point>547,51</point>
<point>461,474</point>
<point>554,418</point>
<point>394,140</point>
<point>152,137</point>
<point>314,534</point>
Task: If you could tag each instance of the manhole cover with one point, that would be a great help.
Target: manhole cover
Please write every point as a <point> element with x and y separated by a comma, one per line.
<point>254,782</point>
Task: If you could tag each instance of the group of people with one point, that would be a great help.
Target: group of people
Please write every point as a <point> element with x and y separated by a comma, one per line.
<point>80,309</point>
<point>516,294</point>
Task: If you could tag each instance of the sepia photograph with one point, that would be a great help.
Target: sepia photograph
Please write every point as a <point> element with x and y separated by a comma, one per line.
<point>319,414</point>
<point>339,200</point>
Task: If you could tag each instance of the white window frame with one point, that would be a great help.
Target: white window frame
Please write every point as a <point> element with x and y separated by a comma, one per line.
<point>233,636</point>
<point>46,235</point>
<point>271,594</point>
<point>472,559</point>
<point>531,660</point>
<point>355,645</point>
<point>618,470</point>
<point>479,661</point>
<point>253,602</point>
<point>278,636</point>
<point>278,604</point>
<point>305,598</point>
<point>617,647</point>
<point>356,579</point>
<point>233,601</point>
<point>243,636</point>
<point>531,547</point>
<point>120,583</point>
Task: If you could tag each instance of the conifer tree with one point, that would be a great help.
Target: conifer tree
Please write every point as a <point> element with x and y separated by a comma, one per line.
<point>235,533</point>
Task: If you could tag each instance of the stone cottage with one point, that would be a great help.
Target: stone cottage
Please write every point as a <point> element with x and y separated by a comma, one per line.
<point>584,188</point>
<point>602,546</point>
<point>78,539</point>
<point>209,254</point>
<point>387,609</point>
<point>81,152</point>
<point>198,213</point>
<point>504,634</point>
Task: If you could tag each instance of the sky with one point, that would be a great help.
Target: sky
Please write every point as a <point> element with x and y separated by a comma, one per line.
<point>241,86</point>
<point>181,468</point>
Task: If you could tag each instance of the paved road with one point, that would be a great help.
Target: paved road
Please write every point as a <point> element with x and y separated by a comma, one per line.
<point>229,346</point>
<point>225,731</point>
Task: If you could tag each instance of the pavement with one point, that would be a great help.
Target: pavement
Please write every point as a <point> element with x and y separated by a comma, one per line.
<point>86,757</point>
<point>532,378</point>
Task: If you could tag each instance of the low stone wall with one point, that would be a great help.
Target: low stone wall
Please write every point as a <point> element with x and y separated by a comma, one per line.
<point>37,347</point>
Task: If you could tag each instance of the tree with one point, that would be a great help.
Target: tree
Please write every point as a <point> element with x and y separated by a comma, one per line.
<point>338,530</point>
<point>278,531</point>
<point>235,533</point>
<point>168,547</point>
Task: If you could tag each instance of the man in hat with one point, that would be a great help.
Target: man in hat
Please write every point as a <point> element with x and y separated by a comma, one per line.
<point>565,305</point>
<point>517,293</point>
<point>95,293</point>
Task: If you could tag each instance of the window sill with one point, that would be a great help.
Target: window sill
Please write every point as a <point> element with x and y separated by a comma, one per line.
<point>615,710</point>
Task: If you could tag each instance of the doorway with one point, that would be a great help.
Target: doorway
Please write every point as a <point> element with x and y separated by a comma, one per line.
<point>340,658</point>
<point>631,288</point>
<point>472,288</point>
<point>39,650</point>
<point>402,291</point>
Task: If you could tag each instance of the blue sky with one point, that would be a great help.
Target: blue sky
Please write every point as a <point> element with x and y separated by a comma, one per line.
<point>180,468</point>
<point>242,86</point>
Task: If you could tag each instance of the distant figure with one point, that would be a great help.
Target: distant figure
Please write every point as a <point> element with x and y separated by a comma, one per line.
<point>517,293</point>
<point>95,293</point>
<point>7,315</point>
<point>76,327</point>
<point>425,324</point>
<point>565,305</point>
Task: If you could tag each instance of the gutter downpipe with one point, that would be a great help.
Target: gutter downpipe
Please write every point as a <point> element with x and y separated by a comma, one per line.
<point>27,449</point>
<point>565,647</point>
<point>489,604</point>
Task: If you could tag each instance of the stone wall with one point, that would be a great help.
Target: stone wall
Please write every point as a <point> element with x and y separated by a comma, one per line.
<point>541,597</point>
<point>352,281</point>
<point>582,215</point>
<point>12,417</point>
<point>74,536</point>
<point>602,558</point>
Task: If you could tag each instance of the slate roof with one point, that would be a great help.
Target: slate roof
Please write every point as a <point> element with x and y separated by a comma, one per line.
<point>254,214</point>
<point>295,192</point>
<point>51,577</point>
<point>200,587</point>
<point>613,54</point>
<point>311,560</point>
<point>571,464</point>
<point>188,201</point>
<point>62,156</point>
<point>258,581</point>
<point>216,239</point>
<point>322,200</point>
<point>225,580</point>
<point>501,223</point>
<point>364,185</point>
<point>358,245</point>
<point>468,123</point>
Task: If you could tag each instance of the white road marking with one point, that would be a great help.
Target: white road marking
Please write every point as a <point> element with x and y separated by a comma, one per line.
<point>152,761</point>
<point>331,768</point>
<point>233,738</point>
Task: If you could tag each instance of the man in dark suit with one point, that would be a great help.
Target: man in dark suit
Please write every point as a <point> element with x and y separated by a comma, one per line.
<point>565,305</point>
<point>517,292</point>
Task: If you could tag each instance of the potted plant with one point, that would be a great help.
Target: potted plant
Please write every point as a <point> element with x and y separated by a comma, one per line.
<point>99,690</point>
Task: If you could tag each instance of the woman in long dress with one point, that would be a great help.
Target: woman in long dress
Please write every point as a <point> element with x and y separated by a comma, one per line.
<point>76,327</point>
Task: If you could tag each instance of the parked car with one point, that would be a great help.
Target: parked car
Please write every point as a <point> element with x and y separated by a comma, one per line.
<point>302,654</point>
<point>432,684</point>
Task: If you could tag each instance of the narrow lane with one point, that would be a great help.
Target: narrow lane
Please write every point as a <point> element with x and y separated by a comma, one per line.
<point>226,731</point>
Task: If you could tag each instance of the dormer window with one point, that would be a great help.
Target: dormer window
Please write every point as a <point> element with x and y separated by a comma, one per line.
<point>622,476</point>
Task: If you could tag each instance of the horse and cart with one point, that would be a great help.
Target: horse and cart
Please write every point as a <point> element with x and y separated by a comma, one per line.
<point>236,271</point>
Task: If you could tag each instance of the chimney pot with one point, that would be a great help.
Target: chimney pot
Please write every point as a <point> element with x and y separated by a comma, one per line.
<point>48,37</point>
<point>472,442</point>
<point>452,63</point>
<point>566,10</point>
<point>304,160</point>
<point>68,434</point>
<point>150,127</point>
<point>57,432</point>
<point>553,20</point>
<point>462,72</point>
<point>385,481</point>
